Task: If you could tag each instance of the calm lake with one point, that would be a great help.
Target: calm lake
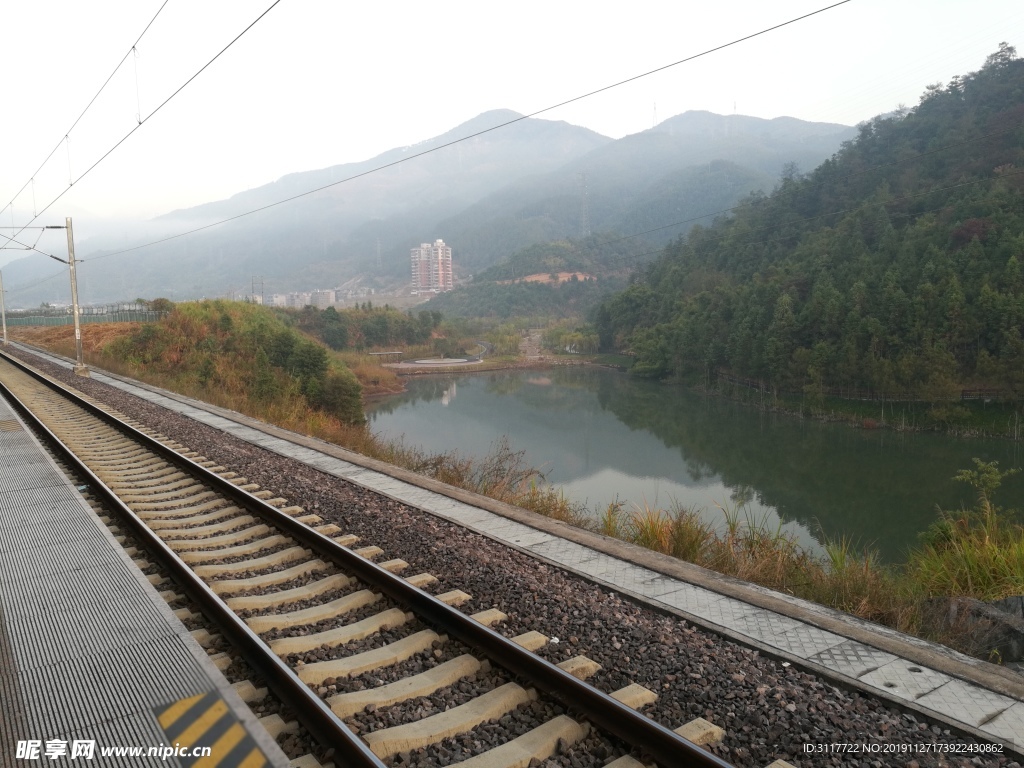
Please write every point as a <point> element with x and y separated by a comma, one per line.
<point>601,435</point>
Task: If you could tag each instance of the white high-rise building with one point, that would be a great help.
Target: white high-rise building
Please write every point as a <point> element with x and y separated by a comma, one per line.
<point>431,268</point>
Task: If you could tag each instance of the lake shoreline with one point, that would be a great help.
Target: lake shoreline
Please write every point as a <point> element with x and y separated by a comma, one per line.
<point>952,418</point>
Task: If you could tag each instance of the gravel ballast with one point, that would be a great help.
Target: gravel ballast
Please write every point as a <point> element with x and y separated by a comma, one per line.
<point>769,709</point>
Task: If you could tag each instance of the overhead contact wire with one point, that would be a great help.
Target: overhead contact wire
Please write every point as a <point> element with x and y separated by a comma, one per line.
<point>841,211</point>
<point>162,105</point>
<point>478,133</point>
<point>844,177</point>
<point>87,107</point>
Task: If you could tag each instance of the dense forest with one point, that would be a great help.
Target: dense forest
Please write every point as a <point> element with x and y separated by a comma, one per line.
<point>603,261</point>
<point>895,266</point>
<point>364,326</point>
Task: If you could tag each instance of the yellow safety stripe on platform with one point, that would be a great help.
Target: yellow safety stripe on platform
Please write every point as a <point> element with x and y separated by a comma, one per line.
<point>255,759</point>
<point>206,720</point>
<point>170,715</point>
<point>222,746</point>
<point>9,425</point>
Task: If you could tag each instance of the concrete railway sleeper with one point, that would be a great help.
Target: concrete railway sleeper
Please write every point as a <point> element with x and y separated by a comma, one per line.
<point>328,613</point>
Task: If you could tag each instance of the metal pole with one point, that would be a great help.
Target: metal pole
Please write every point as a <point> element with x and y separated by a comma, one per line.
<point>80,368</point>
<point>3,307</point>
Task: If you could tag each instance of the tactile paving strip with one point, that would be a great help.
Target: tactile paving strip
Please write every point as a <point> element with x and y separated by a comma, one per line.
<point>63,612</point>
<point>134,731</point>
<point>852,658</point>
<point>968,703</point>
<point>1009,724</point>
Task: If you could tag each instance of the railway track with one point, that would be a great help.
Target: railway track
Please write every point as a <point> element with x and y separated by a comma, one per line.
<point>314,615</point>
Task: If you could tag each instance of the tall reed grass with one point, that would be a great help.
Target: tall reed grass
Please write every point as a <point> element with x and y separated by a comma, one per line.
<point>978,553</point>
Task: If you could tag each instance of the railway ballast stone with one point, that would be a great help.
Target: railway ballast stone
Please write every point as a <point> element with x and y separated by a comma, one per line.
<point>691,670</point>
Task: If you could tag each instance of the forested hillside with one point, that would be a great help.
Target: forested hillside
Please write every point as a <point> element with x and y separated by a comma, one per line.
<point>688,166</point>
<point>896,266</point>
<point>527,285</point>
<point>363,326</point>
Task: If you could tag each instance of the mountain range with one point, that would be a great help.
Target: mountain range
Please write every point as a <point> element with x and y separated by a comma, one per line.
<point>512,183</point>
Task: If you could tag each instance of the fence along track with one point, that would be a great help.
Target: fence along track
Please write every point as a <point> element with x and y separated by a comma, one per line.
<point>257,556</point>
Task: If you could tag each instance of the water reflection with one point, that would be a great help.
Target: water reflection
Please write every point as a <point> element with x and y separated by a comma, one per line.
<point>603,436</point>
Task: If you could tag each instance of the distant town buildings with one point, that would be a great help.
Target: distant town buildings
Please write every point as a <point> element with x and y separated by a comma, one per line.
<point>321,298</point>
<point>300,300</point>
<point>431,268</point>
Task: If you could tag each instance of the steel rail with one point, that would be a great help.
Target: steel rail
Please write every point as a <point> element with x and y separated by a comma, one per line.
<point>663,745</point>
<point>326,727</point>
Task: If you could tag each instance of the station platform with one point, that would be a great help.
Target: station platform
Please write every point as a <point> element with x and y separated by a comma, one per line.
<point>942,685</point>
<point>95,669</point>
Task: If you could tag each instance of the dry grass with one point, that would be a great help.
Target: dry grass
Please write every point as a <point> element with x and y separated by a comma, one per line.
<point>502,474</point>
<point>375,379</point>
<point>749,549</point>
<point>96,337</point>
<point>978,552</point>
<point>61,338</point>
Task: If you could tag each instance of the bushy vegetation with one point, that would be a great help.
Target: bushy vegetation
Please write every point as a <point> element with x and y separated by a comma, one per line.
<point>749,549</point>
<point>500,292</point>
<point>574,298</point>
<point>222,350</point>
<point>505,339</point>
<point>896,267</point>
<point>502,474</point>
<point>976,552</point>
<point>364,327</point>
<point>571,338</point>
<point>596,254</point>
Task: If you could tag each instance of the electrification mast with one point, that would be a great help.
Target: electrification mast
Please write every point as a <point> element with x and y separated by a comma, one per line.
<point>3,308</point>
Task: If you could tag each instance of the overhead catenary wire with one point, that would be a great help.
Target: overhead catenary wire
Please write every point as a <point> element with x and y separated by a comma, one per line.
<point>40,281</point>
<point>844,177</point>
<point>26,246</point>
<point>67,133</point>
<point>505,124</point>
<point>434,149</point>
<point>635,258</point>
<point>162,104</point>
<point>855,209</point>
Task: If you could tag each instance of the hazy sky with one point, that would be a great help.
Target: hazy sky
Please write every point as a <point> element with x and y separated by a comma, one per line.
<point>317,83</point>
